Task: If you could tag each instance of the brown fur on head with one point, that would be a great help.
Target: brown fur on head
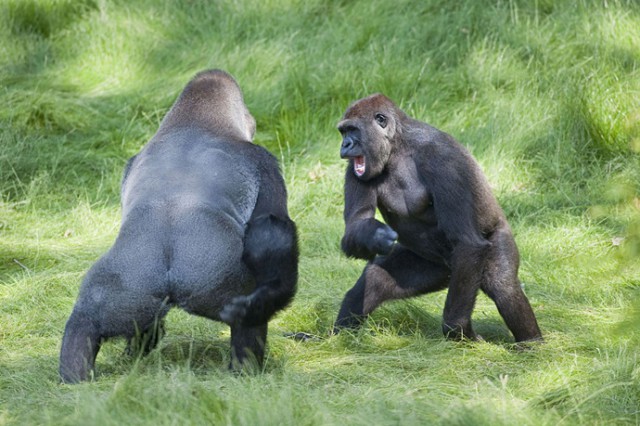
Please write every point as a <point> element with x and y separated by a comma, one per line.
<point>370,128</point>
<point>212,100</point>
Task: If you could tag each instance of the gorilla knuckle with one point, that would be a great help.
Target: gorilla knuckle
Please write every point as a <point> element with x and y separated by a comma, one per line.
<point>383,239</point>
<point>235,310</point>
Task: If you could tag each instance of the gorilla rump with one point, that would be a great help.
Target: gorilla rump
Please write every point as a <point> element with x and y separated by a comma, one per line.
<point>205,227</point>
<point>437,204</point>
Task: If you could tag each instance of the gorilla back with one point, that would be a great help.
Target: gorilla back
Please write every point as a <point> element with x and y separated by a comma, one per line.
<point>199,204</point>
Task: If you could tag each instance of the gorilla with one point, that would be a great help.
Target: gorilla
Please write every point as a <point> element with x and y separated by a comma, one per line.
<point>444,228</point>
<point>205,227</point>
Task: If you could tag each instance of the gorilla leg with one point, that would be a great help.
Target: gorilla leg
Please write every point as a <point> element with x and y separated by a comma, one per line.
<point>80,347</point>
<point>399,275</point>
<point>112,302</point>
<point>501,284</point>
<point>145,341</point>
<point>247,346</point>
<point>271,253</point>
<point>468,262</point>
<point>83,337</point>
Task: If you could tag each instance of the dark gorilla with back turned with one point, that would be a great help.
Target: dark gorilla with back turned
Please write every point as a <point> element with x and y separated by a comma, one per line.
<point>438,205</point>
<point>205,227</point>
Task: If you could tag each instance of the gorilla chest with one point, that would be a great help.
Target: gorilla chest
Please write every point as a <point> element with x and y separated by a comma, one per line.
<point>408,209</point>
<point>405,197</point>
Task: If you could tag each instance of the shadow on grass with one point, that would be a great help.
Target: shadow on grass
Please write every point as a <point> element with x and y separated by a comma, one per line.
<point>74,140</point>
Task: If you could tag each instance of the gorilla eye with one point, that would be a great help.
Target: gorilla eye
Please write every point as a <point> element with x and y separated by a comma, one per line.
<point>381,120</point>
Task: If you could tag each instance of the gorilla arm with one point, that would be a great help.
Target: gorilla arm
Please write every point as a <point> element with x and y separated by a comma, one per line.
<point>270,253</point>
<point>364,236</point>
<point>457,193</point>
<point>462,200</point>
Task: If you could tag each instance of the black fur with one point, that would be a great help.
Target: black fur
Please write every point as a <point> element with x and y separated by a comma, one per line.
<point>271,253</point>
<point>437,204</point>
<point>204,227</point>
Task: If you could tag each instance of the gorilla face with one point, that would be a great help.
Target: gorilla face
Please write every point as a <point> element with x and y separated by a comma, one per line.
<point>368,129</point>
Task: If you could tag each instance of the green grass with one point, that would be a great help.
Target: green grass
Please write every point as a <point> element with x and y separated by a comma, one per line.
<point>546,95</point>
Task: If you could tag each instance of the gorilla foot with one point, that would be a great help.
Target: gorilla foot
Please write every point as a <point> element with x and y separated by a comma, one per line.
<point>351,322</point>
<point>249,366</point>
<point>301,336</point>
<point>143,343</point>
<point>527,345</point>
<point>460,333</point>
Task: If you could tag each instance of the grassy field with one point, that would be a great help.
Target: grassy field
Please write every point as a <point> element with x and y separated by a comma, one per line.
<point>545,94</point>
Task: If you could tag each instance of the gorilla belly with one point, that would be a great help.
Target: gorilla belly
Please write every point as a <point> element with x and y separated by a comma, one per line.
<point>418,230</point>
<point>426,240</point>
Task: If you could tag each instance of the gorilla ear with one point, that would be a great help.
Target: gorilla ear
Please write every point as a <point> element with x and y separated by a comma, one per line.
<point>251,124</point>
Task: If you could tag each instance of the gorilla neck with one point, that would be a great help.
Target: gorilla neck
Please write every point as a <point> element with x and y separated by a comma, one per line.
<point>231,125</point>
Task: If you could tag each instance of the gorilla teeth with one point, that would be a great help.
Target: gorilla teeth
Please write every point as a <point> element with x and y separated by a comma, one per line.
<point>359,165</point>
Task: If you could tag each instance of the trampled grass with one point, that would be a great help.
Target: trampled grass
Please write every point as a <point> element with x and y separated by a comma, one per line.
<point>546,94</point>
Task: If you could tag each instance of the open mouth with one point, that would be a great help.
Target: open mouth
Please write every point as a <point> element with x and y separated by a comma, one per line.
<point>359,165</point>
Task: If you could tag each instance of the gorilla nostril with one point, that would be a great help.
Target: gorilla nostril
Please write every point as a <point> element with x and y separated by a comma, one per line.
<point>347,147</point>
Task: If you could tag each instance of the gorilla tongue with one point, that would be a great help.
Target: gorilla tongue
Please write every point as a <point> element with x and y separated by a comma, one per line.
<point>359,165</point>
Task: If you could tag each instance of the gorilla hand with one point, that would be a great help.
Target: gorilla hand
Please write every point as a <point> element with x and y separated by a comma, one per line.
<point>235,311</point>
<point>384,239</point>
<point>367,238</point>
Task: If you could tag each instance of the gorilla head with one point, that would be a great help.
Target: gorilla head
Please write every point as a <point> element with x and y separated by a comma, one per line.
<point>212,100</point>
<point>370,131</point>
